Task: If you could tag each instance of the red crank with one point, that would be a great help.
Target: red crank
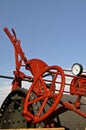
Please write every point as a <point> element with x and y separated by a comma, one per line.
<point>44,91</point>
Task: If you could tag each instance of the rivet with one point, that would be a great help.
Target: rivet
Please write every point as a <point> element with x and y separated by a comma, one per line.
<point>10,110</point>
<point>19,109</point>
<point>0,114</point>
<point>32,97</point>
<point>2,110</point>
<point>5,121</point>
<point>7,99</point>
<point>3,106</point>
<point>36,108</point>
<point>9,121</point>
<point>5,102</point>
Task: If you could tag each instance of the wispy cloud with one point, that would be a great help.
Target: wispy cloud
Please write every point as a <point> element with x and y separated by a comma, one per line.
<point>4,91</point>
<point>5,88</point>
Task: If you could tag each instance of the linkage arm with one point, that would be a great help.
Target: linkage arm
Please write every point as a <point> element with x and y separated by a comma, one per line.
<point>17,47</point>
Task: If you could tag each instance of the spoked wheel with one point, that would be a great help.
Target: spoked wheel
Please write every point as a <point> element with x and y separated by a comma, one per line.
<point>44,94</point>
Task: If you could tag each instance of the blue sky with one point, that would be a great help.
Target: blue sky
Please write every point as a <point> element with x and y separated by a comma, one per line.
<point>52,30</point>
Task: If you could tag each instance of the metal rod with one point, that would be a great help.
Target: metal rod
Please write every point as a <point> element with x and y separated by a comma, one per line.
<point>6,77</point>
<point>9,77</point>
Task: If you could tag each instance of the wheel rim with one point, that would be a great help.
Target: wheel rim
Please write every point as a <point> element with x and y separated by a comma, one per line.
<point>44,92</point>
<point>11,111</point>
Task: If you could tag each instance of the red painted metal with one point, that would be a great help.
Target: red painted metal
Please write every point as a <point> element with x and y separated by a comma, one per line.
<point>45,93</point>
<point>43,87</point>
<point>78,86</point>
<point>35,66</point>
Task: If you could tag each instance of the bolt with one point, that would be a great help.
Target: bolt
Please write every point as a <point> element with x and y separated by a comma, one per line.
<point>36,108</point>
<point>9,121</point>
<point>19,109</point>
<point>32,97</point>
<point>7,99</point>
<point>3,106</point>
<point>0,114</point>
<point>2,110</point>
<point>5,121</point>
<point>5,102</point>
<point>10,110</point>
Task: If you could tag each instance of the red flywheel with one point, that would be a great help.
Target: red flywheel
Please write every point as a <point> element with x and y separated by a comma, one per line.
<point>44,94</point>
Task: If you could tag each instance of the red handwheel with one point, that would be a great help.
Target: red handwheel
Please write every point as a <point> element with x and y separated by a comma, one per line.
<point>44,94</point>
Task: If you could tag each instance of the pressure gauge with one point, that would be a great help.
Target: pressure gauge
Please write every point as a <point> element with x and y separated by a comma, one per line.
<point>77,69</point>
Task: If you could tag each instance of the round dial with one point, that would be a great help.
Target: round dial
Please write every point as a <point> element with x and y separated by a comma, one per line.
<point>77,69</point>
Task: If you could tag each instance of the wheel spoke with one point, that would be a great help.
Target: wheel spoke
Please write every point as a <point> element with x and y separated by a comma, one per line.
<point>43,105</point>
<point>42,81</point>
<point>53,81</point>
<point>36,99</point>
<point>28,115</point>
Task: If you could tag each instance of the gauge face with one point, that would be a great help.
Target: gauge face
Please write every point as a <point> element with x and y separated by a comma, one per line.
<point>77,69</point>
